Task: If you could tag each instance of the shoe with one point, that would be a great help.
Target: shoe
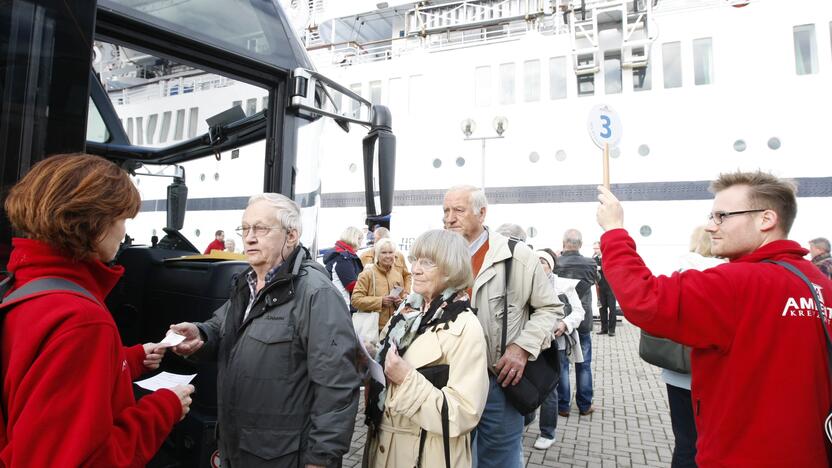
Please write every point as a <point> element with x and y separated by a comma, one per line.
<point>602,332</point>
<point>565,414</point>
<point>543,443</point>
<point>588,411</point>
<point>612,333</point>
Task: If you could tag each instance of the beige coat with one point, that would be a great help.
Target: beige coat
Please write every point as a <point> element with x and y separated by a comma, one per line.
<point>368,258</point>
<point>372,284</point>
<point>416,403</point>
<point>528,286</point>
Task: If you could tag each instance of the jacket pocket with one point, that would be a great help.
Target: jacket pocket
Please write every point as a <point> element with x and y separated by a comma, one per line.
<point>269,444</point>
<point>270,348</point>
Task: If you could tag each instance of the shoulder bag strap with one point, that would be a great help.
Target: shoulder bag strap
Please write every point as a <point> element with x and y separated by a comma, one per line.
<point>45,285</point>
<point>507,272</point>
<point>446,441</point>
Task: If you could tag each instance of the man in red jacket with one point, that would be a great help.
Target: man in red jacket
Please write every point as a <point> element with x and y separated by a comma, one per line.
<point>761,383</point>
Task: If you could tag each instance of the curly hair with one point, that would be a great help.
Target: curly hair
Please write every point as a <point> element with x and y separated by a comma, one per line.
<point>70,200</point>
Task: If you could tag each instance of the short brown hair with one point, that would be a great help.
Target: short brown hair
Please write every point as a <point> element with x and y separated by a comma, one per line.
<point>766,191</point>
<point>70,200</point>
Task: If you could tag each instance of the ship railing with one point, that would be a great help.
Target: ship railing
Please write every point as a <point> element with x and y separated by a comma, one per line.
<point>170,87</point>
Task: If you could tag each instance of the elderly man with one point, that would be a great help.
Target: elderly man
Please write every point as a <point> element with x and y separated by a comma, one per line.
<point>500,431</point>
<point>287,385</point>
<point>819,250</point>
<point>753,326</point>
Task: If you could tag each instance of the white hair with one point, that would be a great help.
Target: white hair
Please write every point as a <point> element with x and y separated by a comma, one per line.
<point>476,198</point>
<point>287,211</point>
<point>573,239</point>
<point>352,236</point>
<point>449,251</point>
<point>512,230</point>
<point>380,245</point>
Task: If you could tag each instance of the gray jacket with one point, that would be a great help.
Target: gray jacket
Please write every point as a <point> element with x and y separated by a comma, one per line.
<point>571,264</point>
<point>287,384</point>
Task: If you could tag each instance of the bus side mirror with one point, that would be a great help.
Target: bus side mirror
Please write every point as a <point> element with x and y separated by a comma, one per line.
<point>381,133</point>
<point>177,200</point>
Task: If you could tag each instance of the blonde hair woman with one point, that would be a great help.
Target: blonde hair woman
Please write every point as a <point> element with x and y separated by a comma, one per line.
<point>434,357</point>
<point>380,287</point>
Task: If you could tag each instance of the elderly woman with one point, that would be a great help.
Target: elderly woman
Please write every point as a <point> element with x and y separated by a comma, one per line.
<point>569,344</point>
<point>343,263</point>
<point>434,357</point>
<point>380,287</point>
<point>67,379</point>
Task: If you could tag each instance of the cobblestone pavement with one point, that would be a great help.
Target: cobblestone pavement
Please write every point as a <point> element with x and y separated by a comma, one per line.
<point>630,426</point>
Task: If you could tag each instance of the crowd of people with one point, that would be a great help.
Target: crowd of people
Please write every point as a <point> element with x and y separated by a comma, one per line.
<point>458,334</point>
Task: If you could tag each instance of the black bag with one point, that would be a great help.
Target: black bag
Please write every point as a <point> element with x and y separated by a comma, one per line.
<point>827,423</point>
<point>664,353</point>
<point>541,375</point>
<point>438,376</point>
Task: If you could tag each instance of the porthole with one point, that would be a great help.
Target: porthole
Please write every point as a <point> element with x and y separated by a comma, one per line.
<point>235,154</point>
<point>531,231</point>
<point>645,231</point>
<point>560,155</point>
<point>202,177</point>
<point>353,167</point>
<point>460,161</point>
<point>437,163</point>
<point>643,150</point>
<point>774,143</point>
<point>534,157</point>
<point>615,152</point>
<point>197,233</point>
<point>739,146</point>
<point>217,176</point>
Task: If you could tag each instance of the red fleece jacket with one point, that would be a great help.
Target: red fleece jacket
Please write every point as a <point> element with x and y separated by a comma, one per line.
<point>67,380</point>
<point>760,388</point>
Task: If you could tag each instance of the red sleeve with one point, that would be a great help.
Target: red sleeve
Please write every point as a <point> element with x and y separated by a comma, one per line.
<point>135,360</point>
<point>63,411</point>
<point>695,308</point>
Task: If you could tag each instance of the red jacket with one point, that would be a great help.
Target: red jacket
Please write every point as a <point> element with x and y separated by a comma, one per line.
<point>760,388</point>
<point>67,380</point>
<point>216,244</point>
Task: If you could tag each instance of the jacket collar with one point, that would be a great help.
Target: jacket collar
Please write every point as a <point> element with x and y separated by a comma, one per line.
<point>498,251</point>
<point>31,259</point>
<point>777,249</point>
<point>281,289</point>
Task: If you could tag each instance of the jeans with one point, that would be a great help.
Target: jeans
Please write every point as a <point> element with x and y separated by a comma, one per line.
<point>549,412</point>
<point>684,429</point>
<point>583,378</point>
<point>499,439</point>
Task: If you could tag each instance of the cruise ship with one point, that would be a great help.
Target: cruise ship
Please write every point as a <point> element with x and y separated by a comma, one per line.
<point>500,94</point>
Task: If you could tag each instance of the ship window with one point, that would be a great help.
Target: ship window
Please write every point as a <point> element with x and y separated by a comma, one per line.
<point>703,61</point>
<point>506,83</point>
<point>774,143</point>
<point>460,161</point>
<point>139,130</point>
<point>586,82</point>
<point>615,152</point>
<point>375,92</point>
<point>396,98</point>
<point>531,70</point>
<point>355,110</point>
<point>416,96</point>
<point>151,127</point>
<point>165,130</point>
<point>612,72</point>
<point>557,77</point>
<point>805,50</point>
<point>193,119</point>
<point>672,64</point>
<point>130,129</point>
<point>264,102</point>
<point>180,124</point>
<point>642,75</point>
<point>643,150</point>
<point>437,163</point>
<point>237,103</point>
<point>645,231</point>
<point>560,155</point>
<point>482,86</point>
<point>251,106</point>
<point>739,146</point>
<point>534,157</point>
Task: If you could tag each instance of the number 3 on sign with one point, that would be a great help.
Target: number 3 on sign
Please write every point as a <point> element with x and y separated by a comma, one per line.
<point>604,126</point>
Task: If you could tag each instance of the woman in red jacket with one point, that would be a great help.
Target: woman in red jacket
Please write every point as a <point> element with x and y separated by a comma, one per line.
<point>67,396</point>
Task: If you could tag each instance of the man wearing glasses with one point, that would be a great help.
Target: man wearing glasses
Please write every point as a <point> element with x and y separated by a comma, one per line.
<point>287,385</point>
<point>499,438</point>
<point>761,383</point>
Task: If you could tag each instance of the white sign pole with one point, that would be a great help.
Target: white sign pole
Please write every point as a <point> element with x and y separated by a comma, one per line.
<point>605,130</point>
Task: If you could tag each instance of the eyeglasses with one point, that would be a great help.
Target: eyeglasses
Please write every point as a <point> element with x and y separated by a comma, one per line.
<point>259,231</point>
<point>425,263</point>
<point>719,216</point>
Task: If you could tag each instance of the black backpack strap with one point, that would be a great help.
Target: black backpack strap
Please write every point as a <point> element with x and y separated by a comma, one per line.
<point>44,285</point>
